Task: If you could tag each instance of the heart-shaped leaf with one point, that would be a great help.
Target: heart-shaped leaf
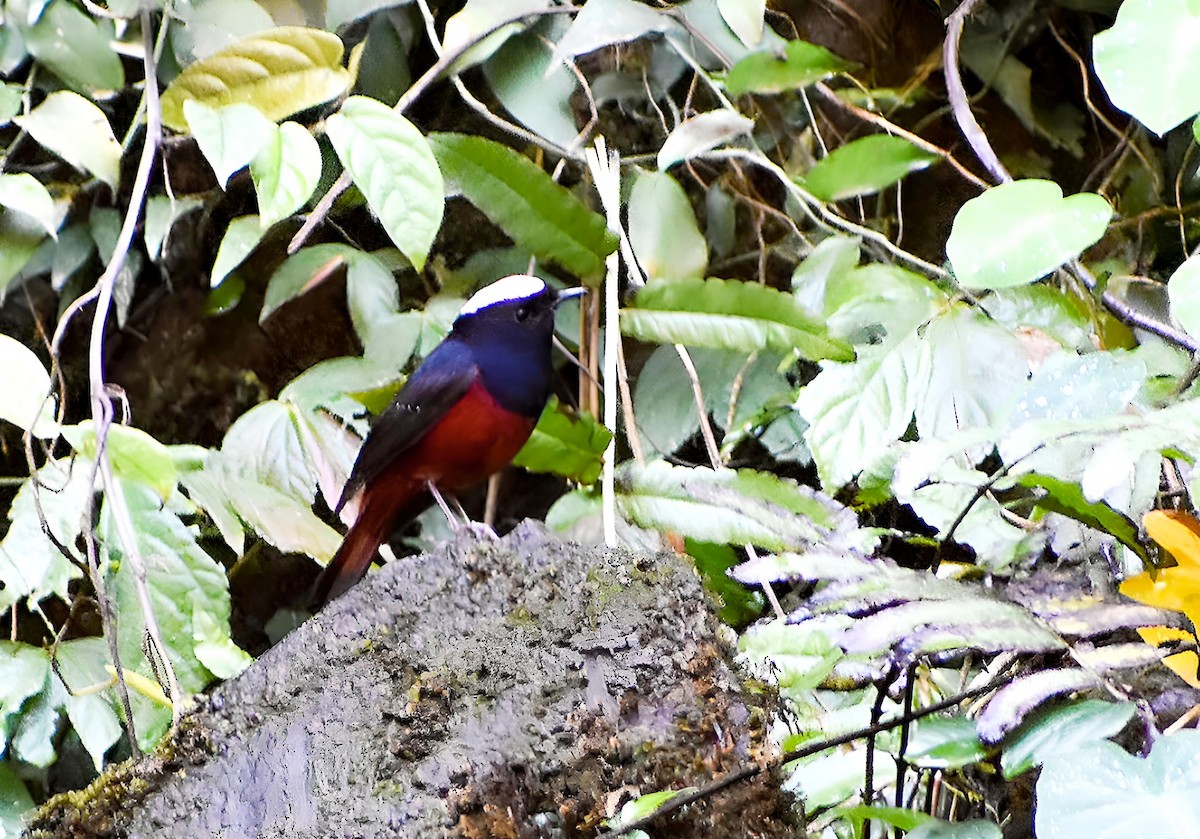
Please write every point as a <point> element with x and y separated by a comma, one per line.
<point>1018,232</point>
<point>1148,61</point>
<point>285,172</point>
<point>391,162</point>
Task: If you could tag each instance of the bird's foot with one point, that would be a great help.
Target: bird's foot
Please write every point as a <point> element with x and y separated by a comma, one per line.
<point>461,523</point>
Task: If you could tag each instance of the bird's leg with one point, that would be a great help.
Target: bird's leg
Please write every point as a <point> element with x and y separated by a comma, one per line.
<point>462,521</point>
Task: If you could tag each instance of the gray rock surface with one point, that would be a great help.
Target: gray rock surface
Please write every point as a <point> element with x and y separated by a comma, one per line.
<point>522,688</point>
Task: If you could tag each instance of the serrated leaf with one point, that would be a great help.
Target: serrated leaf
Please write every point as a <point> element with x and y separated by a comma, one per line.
<point>1018,232</point>
<point>801,64</point>
<point>23,193</point>
<point>134,454</point>
<point>280,72</point>
<point>78,132</point>
<point>391,162</point>
<point>731,507</point>
<point>240,239</point>
<point>26,385</point>
<point>285,172</point>
<point>1147,60</point>
<point>1061,729</point>
<point>865,166</point>
<point>567,444</point>
<point>1012,703</point>
<point>229,137</point>
<point>1075,792</point>
<point>663,231</point>
<point>77,49</point>
<point>526,203</point>
<point>31,566</point>
<point>265,445</point>
<point>699,134</point>
<point>726,314</point>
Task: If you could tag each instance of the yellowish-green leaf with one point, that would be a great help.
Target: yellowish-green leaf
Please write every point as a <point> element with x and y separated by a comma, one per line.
<point>285,172</point>
<point>26,384</point>
<point>134,454</point>
<point>280,72</point>
<point>391,162</point>
<point>229,137</point>
<point>241,238</point>
<point>23,193</point>
<point>77,131</point>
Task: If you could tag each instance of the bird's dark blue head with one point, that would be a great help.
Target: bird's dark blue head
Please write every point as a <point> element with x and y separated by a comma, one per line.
<point>508,327</point>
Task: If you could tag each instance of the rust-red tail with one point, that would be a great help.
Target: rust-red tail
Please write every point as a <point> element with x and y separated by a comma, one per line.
<point>377,517</point>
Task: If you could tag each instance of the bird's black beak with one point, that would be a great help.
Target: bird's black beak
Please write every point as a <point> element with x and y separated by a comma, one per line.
<point>568,293</point>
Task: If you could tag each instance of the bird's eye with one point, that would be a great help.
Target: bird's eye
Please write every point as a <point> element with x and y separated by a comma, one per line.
<point>522,313</point>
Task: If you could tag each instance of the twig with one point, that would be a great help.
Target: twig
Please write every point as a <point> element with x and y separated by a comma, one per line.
<point>605,166</point>
<point>101,400</point>
<point>959,105</point>
<point>892,128</point>
<point>750,771</point>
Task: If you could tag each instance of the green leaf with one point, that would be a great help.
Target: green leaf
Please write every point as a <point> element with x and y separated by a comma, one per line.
<point>1067,499</point>
<point>162,211</point>
<point>76,48</point>
<point>229,137</point>
<point>740,605</point>
<point>900,817</point>
<point>1147,60</point>
<point>285,172</point>
<point>23,193</point>
<point>465,28</point>
<point>945,743</point>
<point>92,713</point>
<point>280,72</point>
<point>644,805</point>
<point>526,203</point>
<point>134,454</point>
<point>601,23</point>
<point>1184,291</point>
<point>731,507</point>
<point>728,314</point>
<point>972,829</point>
<point>11,96</point>
<point>800,655</point>
<point>865,166</point>
<point>78,132</point>
<point>15,802</point>
<point>1018,232</point>
<point>24,670</point>
<point>30,565</point>
<point>286,522</point>
<point>530,85</point>
<point>20,238</point>
<point>768,72</point>
<point>745,18</point>
<point>265,444</point>
<point>1051,733</point>
<point>565,443</point>
<point>699,134</point>
<point>663,231</point>
<point>301,271</point>
<point>240,239</point>
<point>1076,798</point>
<point>391,162</point>
<point>26,389</point>
<point>214,648</point>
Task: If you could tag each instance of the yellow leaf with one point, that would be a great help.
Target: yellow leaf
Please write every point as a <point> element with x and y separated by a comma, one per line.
<point>1178,533</point>
<point>1186,664</point>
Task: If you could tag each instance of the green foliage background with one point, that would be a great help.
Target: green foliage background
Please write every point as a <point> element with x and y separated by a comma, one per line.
<point>914,357</point>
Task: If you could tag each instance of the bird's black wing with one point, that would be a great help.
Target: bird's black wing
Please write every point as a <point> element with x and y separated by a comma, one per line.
<point>430,392</point>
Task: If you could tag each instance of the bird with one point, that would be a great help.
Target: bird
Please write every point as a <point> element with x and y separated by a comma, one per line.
<point>460,417</point>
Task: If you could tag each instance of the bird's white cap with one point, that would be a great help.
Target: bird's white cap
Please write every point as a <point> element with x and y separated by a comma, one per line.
<point>516,287</point>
